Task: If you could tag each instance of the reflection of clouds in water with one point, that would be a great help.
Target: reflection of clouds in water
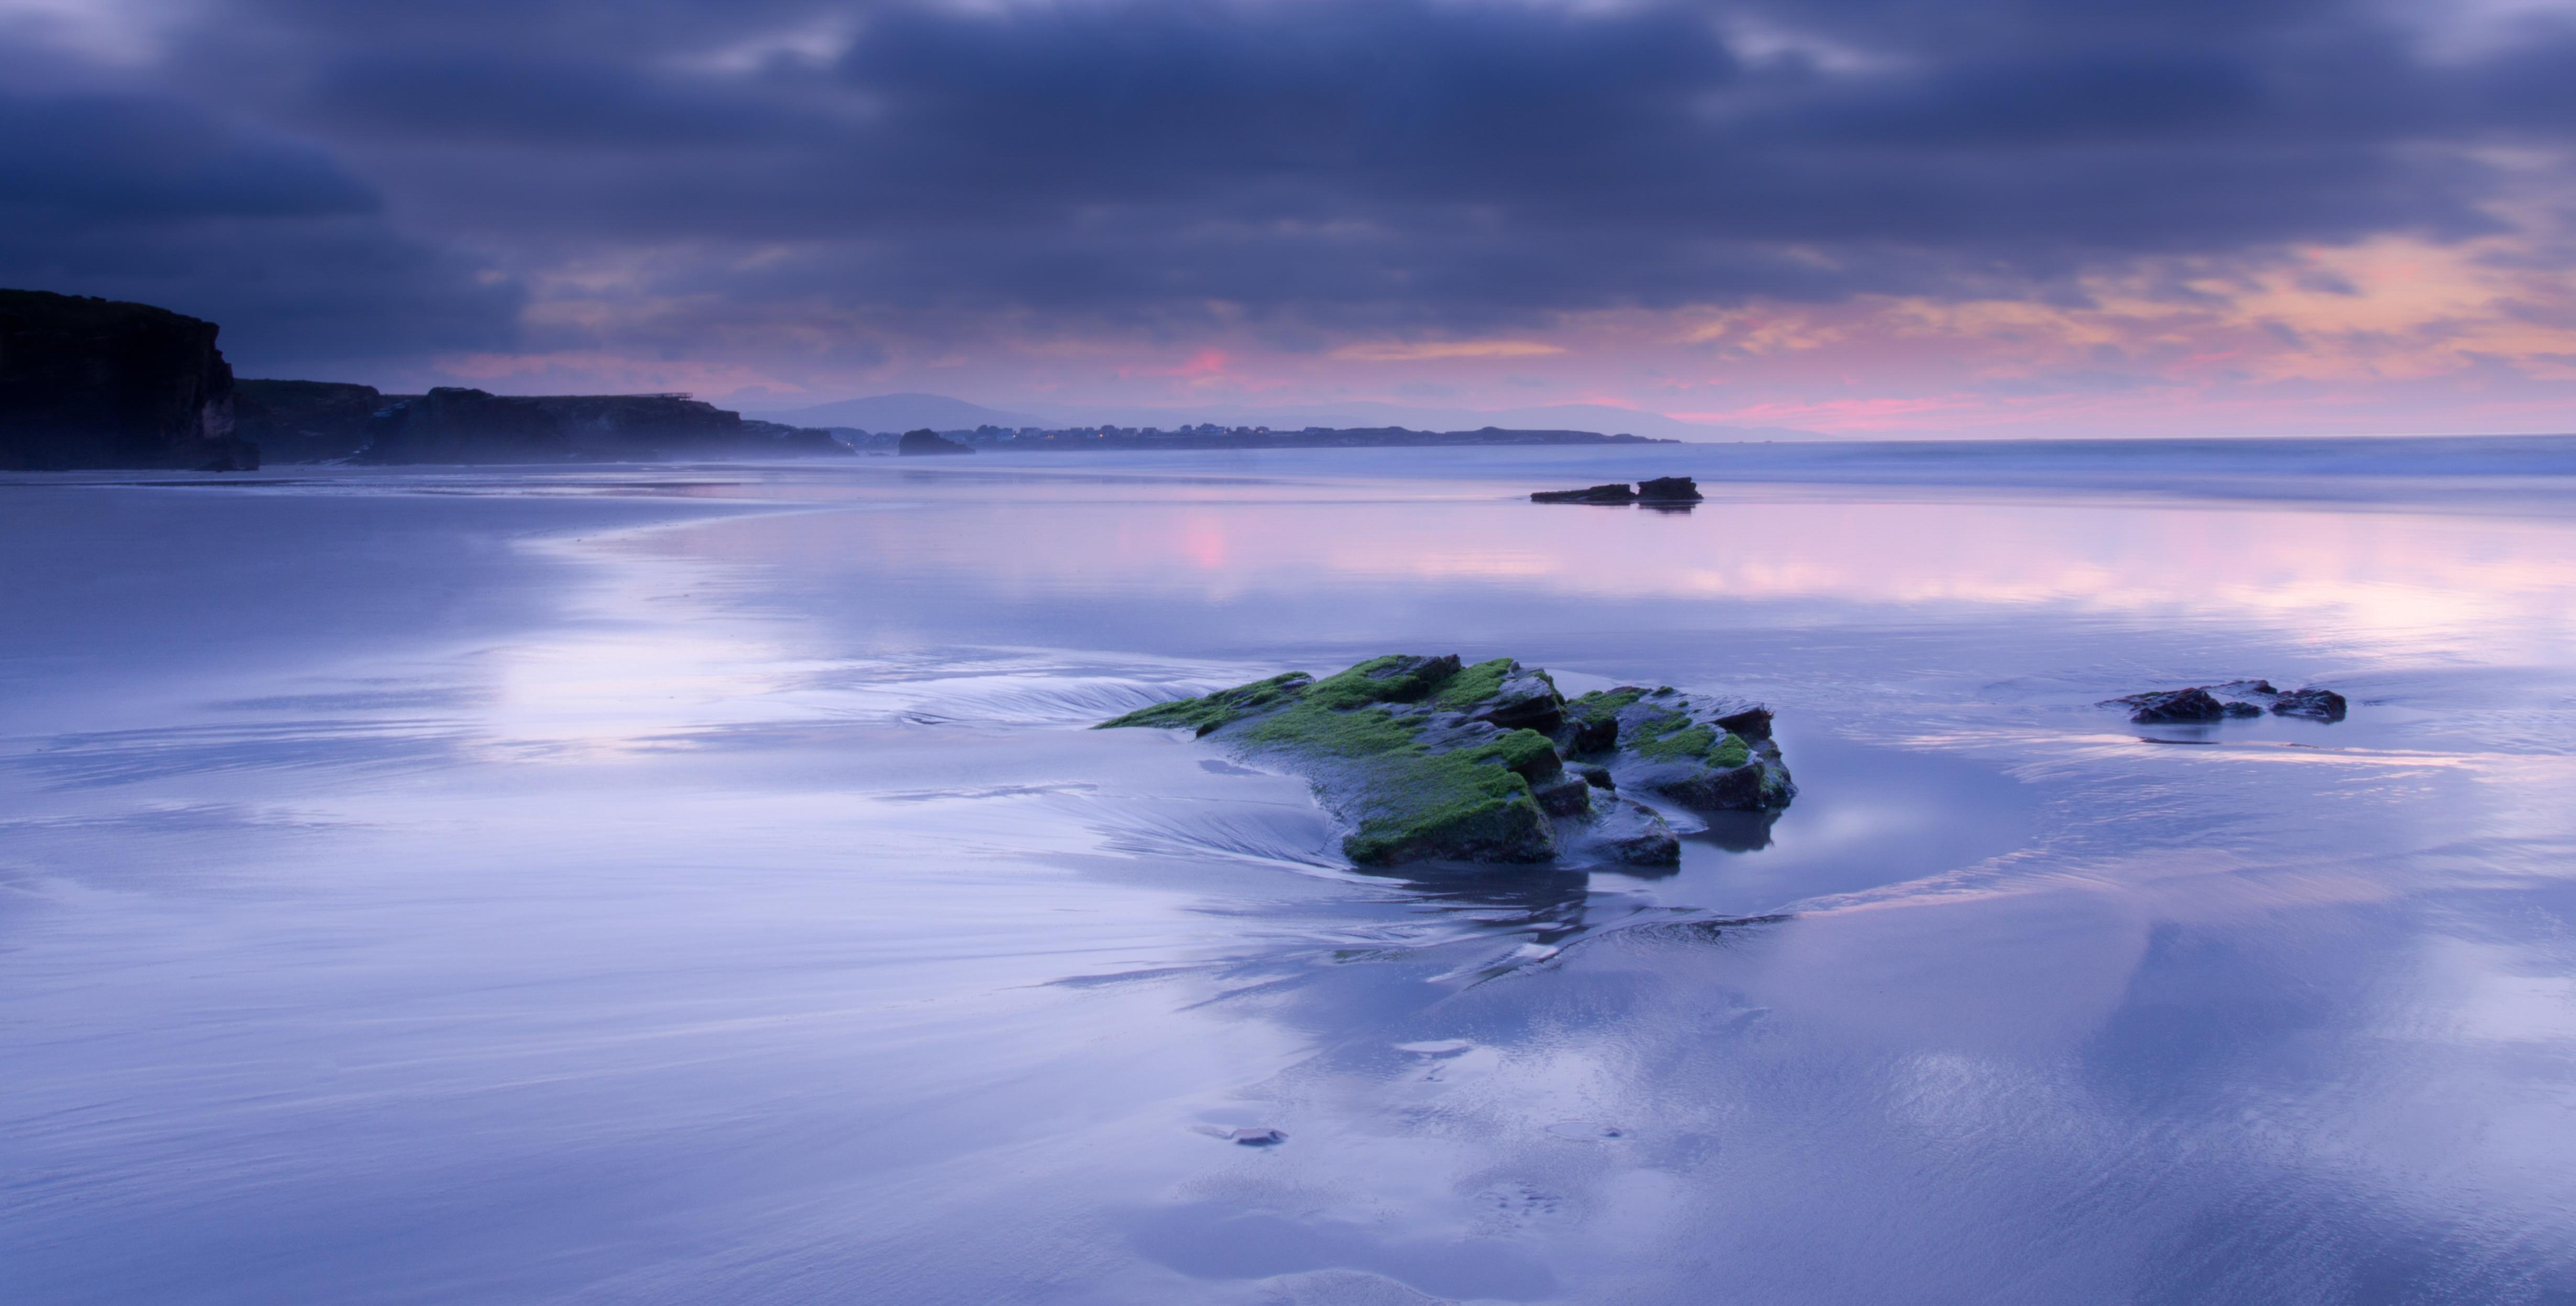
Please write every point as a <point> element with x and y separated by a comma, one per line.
<point>820,912</point>
<point>2397,582</point>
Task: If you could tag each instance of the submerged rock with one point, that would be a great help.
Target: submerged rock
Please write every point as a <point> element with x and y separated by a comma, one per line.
<point>1631,832</point>
<point>2311,702</point>
<point>2202,703</point>
<point>1660,492</point>
<point>1564,794</point>
<point>1432,760</point>
<point>1619,493</point>
<point>2167,706</point>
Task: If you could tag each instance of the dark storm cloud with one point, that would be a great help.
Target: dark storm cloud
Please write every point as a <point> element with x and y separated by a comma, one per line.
<point>145,197</point>
<point>541,102</point>
<point>1399,161</point>
<point>126,156</point>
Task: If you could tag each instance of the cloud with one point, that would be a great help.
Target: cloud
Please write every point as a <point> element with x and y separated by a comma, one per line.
<point>1374,182</point>
<point>145,197</point>
<point>1422,162</point>
<point>1437,349</point>
<point>101,157</point>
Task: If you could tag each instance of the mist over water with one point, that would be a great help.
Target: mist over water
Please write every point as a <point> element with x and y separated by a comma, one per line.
<point>698,884</point>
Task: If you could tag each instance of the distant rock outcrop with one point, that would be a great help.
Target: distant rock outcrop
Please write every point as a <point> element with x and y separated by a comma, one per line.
<point>99,383</point>
<point>2313,703</point>
<point>306,421</point>
<point>2164,707</point>
<point>452,424</point>
<point>1618,492</point>
<point>1660,492</point>
<point>2202,703</point>
<point>927,441</point>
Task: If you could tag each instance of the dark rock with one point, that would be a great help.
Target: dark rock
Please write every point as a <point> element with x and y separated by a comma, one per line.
<point>2171,706</point>
<point>1421,756</point>
<point>2202,704</point>
<point>1595,736</point>
<point>2261,688</point>
<point>1592,721</point>
<point>1630,833</point>
<point>97,383</point>
<point>1222,708</point>
<point>1533,757</point>
<point>1565,795</point>
<point>1669,489</point>
<point>1681,746</point>
<point>1707,789</point>
<point>1257,1137</point>
<point>306,421</point>
<point>1526,701</point>
<point>927,441</point>
<point>1752,723</point>
<point>1398,678</point>
<point>2313,703</point>
<point>1620,493</point>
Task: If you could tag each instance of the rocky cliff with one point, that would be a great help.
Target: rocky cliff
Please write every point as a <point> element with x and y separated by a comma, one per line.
<point>306,421</point>
<point>452,424</point>
<point>98,383</point>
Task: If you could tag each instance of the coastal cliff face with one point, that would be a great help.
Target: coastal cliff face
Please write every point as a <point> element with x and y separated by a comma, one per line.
<point>453,424</point>
<point>99,383</point>
<point>306,421</point>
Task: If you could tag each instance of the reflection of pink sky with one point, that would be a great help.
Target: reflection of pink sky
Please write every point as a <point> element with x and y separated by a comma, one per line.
<point>2390,580</point>
<point>2387,336</point>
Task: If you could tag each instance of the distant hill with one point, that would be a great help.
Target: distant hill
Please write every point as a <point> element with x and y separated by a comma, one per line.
<point>1604,418</point>
<point>904,412</point>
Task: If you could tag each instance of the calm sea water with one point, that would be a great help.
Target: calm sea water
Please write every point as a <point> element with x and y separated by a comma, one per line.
<point>689,885</point>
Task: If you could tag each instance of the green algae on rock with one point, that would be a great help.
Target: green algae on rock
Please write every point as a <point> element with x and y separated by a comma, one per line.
<point>1431,760</point>
<point>1221,708</point>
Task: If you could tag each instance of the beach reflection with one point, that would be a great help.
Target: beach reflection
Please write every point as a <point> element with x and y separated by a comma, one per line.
<point>2402,583</point>
<point>744,912</point>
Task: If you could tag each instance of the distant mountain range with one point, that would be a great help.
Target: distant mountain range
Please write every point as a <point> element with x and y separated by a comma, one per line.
<point>903,412</point>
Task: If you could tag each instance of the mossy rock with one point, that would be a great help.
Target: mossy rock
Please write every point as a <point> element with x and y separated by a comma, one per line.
<point>1221,708</point>
<point>1432,759</point>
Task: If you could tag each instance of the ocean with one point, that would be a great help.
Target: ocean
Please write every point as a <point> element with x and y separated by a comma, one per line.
<point>696,884</point>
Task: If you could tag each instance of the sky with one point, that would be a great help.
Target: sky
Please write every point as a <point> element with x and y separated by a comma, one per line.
<point>1858,217</point>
